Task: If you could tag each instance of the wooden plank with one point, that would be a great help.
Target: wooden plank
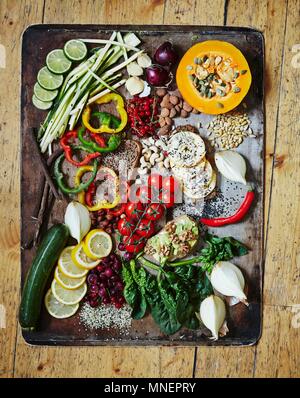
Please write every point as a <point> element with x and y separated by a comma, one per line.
<point>279,347</point>
<point>191,12</point>
<point>104,11</point>
<point>282,270</point>
<point>14,17</point>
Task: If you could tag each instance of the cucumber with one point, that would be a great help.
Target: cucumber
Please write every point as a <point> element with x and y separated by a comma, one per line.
<point>34,288</point>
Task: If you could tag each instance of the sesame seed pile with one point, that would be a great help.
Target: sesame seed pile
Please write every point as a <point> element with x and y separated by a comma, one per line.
<point>105,316</point>
<point>227,131</point>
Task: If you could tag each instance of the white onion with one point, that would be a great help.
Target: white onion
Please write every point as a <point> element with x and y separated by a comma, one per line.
<point>77,219</point>
<point>231,165</point>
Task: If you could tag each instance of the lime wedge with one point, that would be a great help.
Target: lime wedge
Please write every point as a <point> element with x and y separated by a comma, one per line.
<point>44,95</point>
<point>41,104</point>
<point>75,50</point>
<point>57,62</point>
<point>48,80</point>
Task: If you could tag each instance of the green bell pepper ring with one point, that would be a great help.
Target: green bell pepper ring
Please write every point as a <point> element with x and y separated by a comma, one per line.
<point>107,119</point>
<point>59,176</point>
<point>112,144</point>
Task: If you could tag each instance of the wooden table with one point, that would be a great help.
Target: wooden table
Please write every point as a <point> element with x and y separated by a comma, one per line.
<point>278,351</point>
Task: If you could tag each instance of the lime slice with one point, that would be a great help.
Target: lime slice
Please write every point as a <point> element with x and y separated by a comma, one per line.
<point>66,281</point>
<point>44,95</point>
<point>48,80</point>
<point>67,266</point>
<point>41,104</point>
<point>58,309</point>
<point>75,50</point>
<point>66,296</point>
<point>57,62</point>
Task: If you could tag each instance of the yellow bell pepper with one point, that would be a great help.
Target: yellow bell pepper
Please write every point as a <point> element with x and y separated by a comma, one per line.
<point>103,204</point>
<point>86,115</point>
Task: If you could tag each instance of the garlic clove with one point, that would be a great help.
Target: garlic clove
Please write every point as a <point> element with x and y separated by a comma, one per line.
<point>212,314</point>
<point>133,69</point>
<point>77,219</point>
<point>134,85</point>
<point>231,165</point>
<point>144,60</point>
<point>228,280</point>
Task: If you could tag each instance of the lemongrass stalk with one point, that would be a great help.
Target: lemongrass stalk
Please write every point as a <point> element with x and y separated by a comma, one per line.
<point>116,43</point>
<point>115,86</point>
<point>120,40</point>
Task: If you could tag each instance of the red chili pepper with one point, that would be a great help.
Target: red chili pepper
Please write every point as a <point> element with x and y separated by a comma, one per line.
<point>117,211</point>
<point>98,138</point>
<point>66,146</point>
<point>90,193</point>
<point>239,214</point>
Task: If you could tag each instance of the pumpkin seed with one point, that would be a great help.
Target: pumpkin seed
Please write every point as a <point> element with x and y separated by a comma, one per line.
<point>189,67</point>
<point>220,105</point>
<point>236,89</point>
<point>236,75</point>
<point>243,71</point>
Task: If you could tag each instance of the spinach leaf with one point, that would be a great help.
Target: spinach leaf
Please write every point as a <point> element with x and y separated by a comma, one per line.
<point>220,249</point>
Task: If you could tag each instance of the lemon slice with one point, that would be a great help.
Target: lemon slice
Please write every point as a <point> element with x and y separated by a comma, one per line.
<point>81,259</point>
<point>97,244</point>
<point>67,296</point>
<point>57,309</point>
<point>66,281</point>
<point>67,266</point>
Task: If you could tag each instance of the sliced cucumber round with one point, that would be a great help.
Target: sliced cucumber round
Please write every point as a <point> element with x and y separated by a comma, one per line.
<point>43,105</point>
<point>49,80</point>
<point>44,95</point>
<point>75,50</point>
<point>57,62</point>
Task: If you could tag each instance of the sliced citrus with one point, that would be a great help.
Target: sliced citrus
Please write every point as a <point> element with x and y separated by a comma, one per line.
<point>57,309</point>
<point>75,50</point>
<point>97,244</point>
<point>49,80</point>
<point>66,281</point>
<point>67,296</point>
<point>57,62</point>
<point>67,266</point>
<point>81,259</point>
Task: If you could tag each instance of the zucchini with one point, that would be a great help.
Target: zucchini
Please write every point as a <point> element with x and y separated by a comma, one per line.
<point>34,288</point>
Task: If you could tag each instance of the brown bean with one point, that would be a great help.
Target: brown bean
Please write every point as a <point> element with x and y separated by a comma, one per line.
<point>183,113</point>
<point>164,130</point>
<point>177,108</point>
<point>162,122</point>
<point>161,92</point>
<point>164,112</point>
<point>187,107</point>
<point>174,100</point>
<point>172,113</point>
<point>168,121</point>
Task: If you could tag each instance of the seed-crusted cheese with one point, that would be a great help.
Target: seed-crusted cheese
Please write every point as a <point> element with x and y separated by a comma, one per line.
<point>186,149</point>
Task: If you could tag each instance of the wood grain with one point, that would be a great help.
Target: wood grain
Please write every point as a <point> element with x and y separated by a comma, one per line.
<point>14,17</point>
<point>282,269</point>
<point>278,351</point>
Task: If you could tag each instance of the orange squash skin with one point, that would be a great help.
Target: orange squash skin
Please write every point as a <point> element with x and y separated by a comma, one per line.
<point>190,93</point>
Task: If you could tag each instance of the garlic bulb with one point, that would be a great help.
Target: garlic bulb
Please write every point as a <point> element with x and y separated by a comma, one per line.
<point>77,219</point>
<point>231,165</point>
<point>228,279</point>
<point>213,313</point>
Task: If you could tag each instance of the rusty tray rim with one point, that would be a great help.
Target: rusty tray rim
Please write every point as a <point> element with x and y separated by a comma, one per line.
<point>41,338</point>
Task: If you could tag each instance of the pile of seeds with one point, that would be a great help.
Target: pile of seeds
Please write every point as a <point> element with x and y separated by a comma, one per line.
<point>227,131</point>
<point>105,316</point>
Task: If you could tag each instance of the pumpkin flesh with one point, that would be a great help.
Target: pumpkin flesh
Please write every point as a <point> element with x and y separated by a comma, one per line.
<point>213,77</point>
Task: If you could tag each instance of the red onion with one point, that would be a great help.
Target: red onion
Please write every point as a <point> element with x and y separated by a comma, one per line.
<point>165,54</point>
<point>157,76</point>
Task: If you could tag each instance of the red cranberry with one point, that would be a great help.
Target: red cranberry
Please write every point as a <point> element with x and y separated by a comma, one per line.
<point>108,272</point>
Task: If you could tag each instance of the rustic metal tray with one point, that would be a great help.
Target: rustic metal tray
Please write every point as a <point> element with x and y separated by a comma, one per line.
<point>244,322</point>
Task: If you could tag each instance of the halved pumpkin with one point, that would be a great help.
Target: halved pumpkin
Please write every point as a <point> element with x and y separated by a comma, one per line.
<point>213,77</point>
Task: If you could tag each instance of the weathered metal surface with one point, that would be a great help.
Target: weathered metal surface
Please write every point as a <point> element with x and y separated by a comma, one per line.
<point>244,322</point>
